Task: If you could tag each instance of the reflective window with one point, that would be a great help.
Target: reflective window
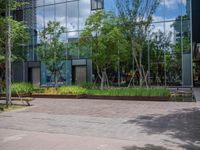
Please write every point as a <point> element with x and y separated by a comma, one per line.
<point>63,37</point>
<point>172,9</point>
<point>49,13</point>
<point>39,18</point>
<point>84,12</point>
<point>72,16</point>
<point>97,4</point>
<point>159,13</point>
<point>110,5</point>
<point>61,14</point>
<point>73,51</point>
<point>47,2</point>
<point>60,1</point>
<point>186,8</point>
<point>39,2</point>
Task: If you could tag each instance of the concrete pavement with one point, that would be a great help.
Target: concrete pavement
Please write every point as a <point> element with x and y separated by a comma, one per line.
<point>102,125</point>
<point>197,94</point>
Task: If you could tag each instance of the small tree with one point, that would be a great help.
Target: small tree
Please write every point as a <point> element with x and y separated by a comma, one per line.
<point>108,43</point>
<point>52,51</point>
<point>135,19</point>
<point>18,36</point>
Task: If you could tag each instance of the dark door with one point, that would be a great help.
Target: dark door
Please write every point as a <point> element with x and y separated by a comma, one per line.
<point>79,74</point>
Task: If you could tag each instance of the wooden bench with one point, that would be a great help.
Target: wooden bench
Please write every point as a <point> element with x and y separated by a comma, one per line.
<point>22,99</point>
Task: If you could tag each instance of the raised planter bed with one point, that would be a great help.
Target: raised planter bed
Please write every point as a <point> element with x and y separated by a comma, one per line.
<point>20,95</point>
<point>57,96</point>
<point>129,98</point>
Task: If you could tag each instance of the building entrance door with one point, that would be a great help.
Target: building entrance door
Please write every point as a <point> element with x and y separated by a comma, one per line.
<point>79,74</point>
<point>34,76</point>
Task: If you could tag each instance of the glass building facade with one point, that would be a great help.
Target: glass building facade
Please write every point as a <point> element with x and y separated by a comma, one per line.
<point>173,65</point>
<point>168,56</point>
<point>72,15</point>
<point>169,62</point>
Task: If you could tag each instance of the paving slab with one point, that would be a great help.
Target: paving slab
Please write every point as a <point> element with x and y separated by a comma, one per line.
<point>197,94</point>
<point>98,124</point>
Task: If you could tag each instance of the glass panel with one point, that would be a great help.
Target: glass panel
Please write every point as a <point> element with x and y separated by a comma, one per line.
<point>60,1</point>
<point>63,37</point>
<point>84,12</point>
<point>186,8</point>
<point>40,18</point>
<point>186,36</point>
<point>159,13</point>
<point>94,4</point>
<point>72,16</point>
<point>85,47</point>
<point>172,9</point>
<point>110,5</point>
<point>157,46</point>
<point>28,17</point>
<point>47,77</point>
<point>61,14</point>
<point>47,2</point>
<point>174,55</point>
<point>73,51</point>
<point>100,4</point>
<point>174,67</point>
<point>39,2</point>
<point>49,14</point>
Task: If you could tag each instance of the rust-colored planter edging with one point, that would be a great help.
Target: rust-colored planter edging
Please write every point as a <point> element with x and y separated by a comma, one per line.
<point>101,97</point>
<point>20,95</point>
<point>53,96</point>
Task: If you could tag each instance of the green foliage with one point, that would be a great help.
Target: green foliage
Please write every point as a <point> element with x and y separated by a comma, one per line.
<point>88,85</point>
<point>78,90</point>
<point>22,88</point>
<point>51,90</point>
<point>131,92</point>
<point>19,35</point>
<point>72,90</point>
<point>52,51</point>
<point>108,42</point>
<point>135,18</point>
<point>38,90</point>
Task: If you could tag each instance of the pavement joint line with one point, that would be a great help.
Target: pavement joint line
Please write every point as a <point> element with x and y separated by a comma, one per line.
<point>121,139</point>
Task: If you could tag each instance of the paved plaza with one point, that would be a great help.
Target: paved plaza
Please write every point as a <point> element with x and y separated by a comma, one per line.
<point>69,124</point>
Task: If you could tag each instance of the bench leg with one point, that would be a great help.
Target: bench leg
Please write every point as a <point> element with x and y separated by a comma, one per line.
<point>28,103</point>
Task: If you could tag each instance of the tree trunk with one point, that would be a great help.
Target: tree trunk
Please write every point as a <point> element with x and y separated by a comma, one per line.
<point>106,79</point>
<point>140,69</point>
<point>102,81</point>
<point>138,65</point>
<point>133,64</point>
<point>56,78</point>
<point>8,58</point>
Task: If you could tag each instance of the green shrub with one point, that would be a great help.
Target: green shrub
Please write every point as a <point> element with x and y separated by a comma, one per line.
<point>51,90</point>
<point>39,90</point>
<point>88,85</point>
<point>22,88</point>
<point>72,90</point>
<point>131,92</point>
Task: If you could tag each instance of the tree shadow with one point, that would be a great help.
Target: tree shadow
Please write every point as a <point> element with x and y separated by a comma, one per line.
<point>183,125</point>
<point>146,147</point>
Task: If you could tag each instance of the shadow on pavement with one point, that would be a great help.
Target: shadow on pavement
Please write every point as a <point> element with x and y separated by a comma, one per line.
<point>183,125</point>
<point>147,147</point>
